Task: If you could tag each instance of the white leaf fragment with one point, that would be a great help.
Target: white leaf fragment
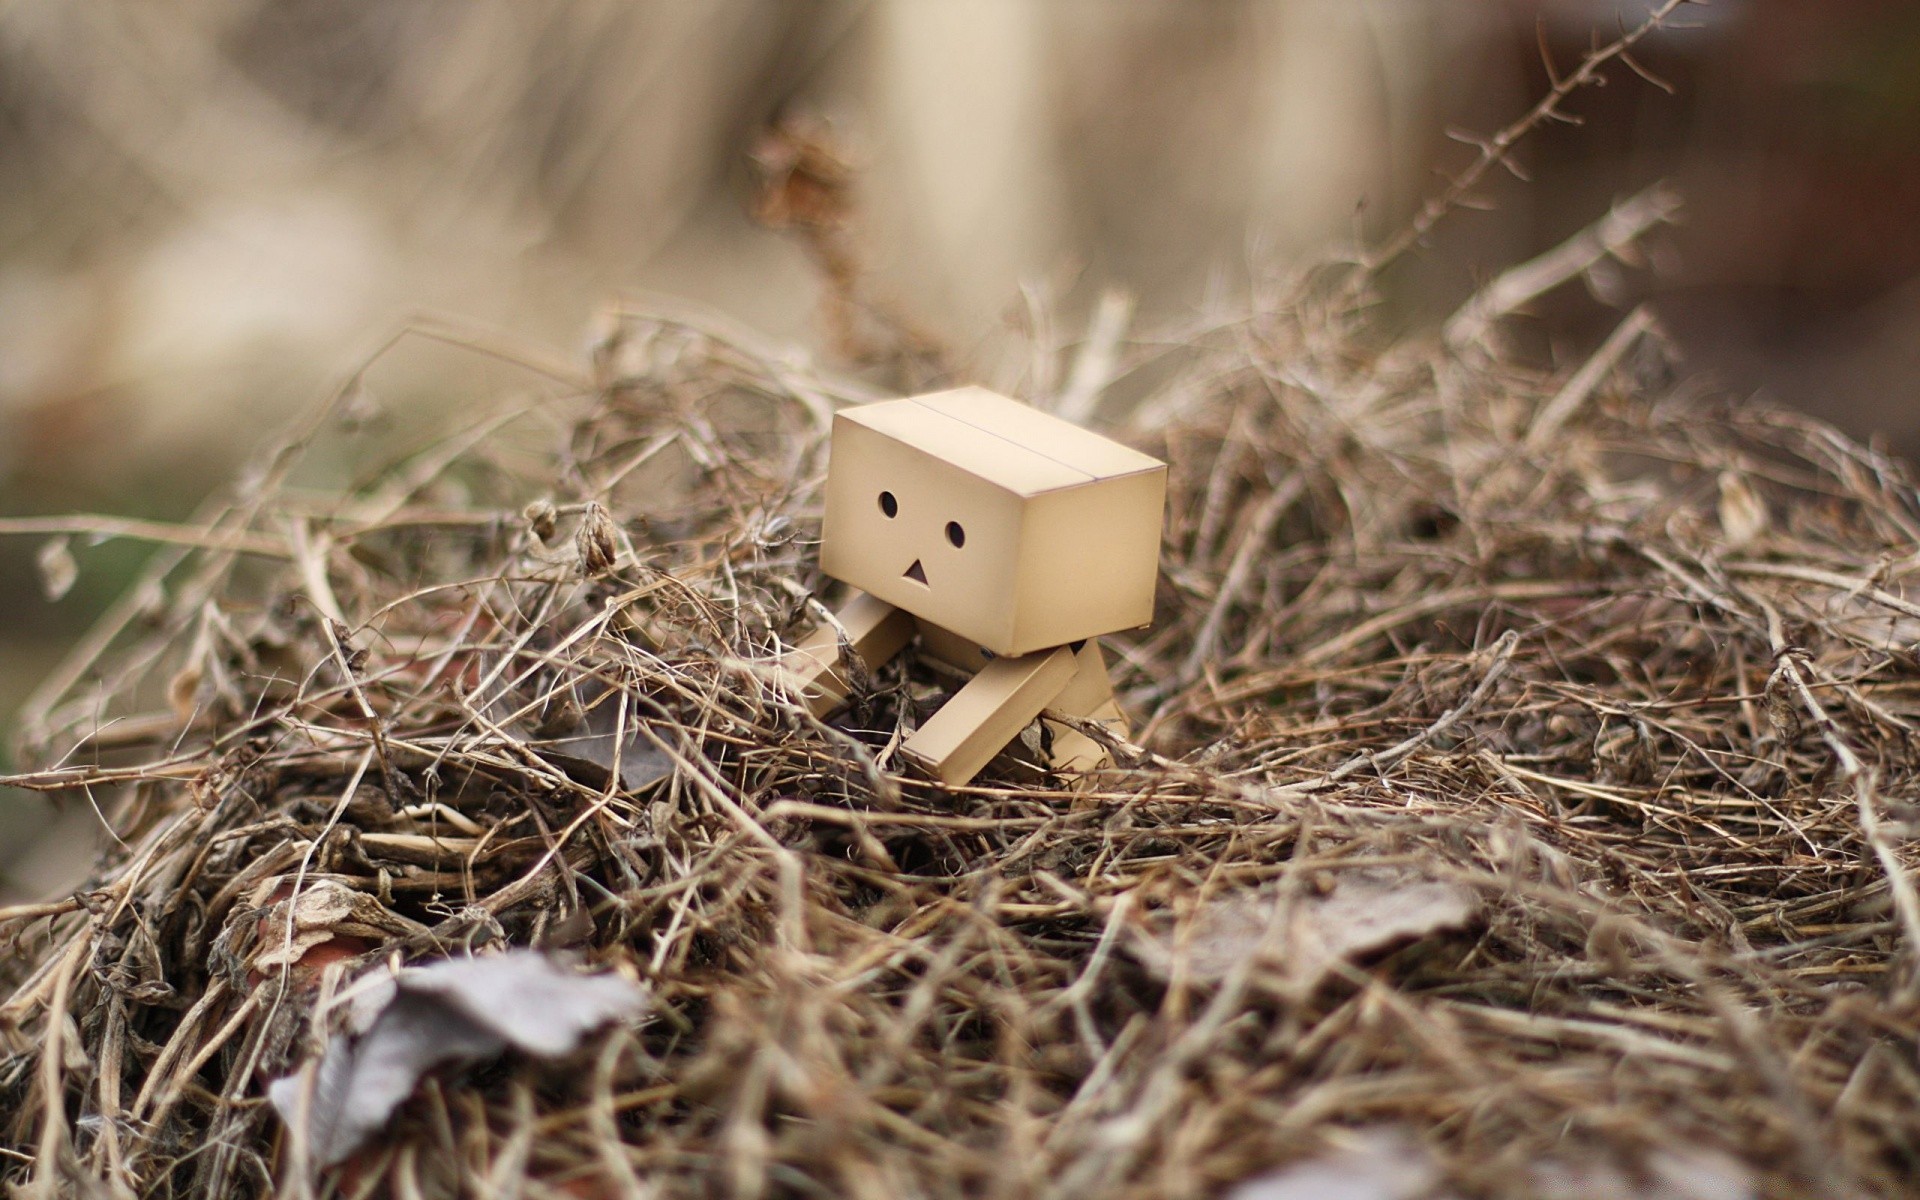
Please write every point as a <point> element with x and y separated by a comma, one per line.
<point>454,1012</point>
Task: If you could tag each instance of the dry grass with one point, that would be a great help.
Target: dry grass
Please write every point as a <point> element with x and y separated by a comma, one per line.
<point>1643,682</point>
<point>1523,798</point>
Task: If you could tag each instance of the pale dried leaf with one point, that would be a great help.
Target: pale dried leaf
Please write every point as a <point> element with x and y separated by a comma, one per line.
<point>1367,911</point>
<point>359,1084</point>
<point>321,910</point>
<point>58,570</point>
<point>287,951</point>
<point>458,1011</point>
<point>526,999</point>
<point>590,758</point>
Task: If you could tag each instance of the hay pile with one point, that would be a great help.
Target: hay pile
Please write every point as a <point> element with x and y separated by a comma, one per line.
<point>1522,804</point>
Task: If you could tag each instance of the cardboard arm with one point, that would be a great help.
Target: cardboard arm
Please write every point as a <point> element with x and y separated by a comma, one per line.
<point>876,630</point>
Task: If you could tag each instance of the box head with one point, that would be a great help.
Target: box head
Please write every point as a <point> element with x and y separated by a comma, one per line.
<point>992,519</point>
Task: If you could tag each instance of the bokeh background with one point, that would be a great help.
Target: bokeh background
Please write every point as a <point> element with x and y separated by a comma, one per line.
<point>212,210</point>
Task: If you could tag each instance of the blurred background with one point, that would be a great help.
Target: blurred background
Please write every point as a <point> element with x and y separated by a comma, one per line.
<point>211,210</point>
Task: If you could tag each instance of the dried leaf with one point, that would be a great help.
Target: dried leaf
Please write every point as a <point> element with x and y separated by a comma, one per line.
<point>359,409</point>
<point>458,1011</point>
<point>1381,1164</point>
<point>183,691</point>
<point>584,746</point>
<point>805,177</point>
<point>58,571</point>
<point>640,763</point>
<point>358,1085</point>
<point>289,926</point>
<point>1366,911</point>
<point>526,999</point>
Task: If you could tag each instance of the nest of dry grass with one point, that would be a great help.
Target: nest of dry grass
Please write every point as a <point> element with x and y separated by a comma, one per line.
<point>1523,799</point>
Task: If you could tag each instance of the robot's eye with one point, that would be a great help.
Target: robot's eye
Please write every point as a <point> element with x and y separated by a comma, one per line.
<point>956,535</point>
<point>889,505</point>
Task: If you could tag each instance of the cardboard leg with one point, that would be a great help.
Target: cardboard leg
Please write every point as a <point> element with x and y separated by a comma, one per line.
<point>877,631</point>
<point>990,711</point>
<point>1089,695</point>
<point>1074,753</point>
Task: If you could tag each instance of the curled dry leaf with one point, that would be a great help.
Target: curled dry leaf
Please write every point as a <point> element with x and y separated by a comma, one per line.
<point>321,912</point>
<point>1305,937</point>
<point>454,1012</point>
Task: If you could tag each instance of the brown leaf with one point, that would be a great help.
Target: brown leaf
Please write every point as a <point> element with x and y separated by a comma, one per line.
<point>805,177</point>
<point>541,518</point>
<point>323,910</point>
<point>582,737</point>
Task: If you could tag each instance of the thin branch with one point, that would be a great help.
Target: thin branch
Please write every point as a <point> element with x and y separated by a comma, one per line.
<point>1495,150</point>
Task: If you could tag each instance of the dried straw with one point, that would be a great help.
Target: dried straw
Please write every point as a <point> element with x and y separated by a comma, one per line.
<point>1624,672</point>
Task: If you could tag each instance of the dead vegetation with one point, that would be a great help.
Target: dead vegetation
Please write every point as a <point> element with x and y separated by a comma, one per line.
<point>1522,803</point>
<point>1524,769</point>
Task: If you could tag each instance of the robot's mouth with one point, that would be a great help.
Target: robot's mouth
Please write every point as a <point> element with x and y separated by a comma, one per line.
<point>916,572</point>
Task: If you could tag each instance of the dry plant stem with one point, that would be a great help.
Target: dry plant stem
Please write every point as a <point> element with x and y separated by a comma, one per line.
<point>1239,574</point>
<point>1814,575</point>
<point>1580,386</point>
<point>23,913</point>
<point>234,1024</point>
<point>1093,367</point>
<point>1498,657</point>
<point>1860,780</point>
<point>1514,289</point>
<point>107,528</point>
<point>53,1118</point>
<point>1494,151</point>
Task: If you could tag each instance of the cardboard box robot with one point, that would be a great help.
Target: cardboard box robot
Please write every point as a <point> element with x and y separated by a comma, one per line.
<point>1007,540</point>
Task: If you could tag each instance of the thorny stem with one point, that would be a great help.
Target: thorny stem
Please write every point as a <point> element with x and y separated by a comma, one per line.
<point>1495,150</point>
